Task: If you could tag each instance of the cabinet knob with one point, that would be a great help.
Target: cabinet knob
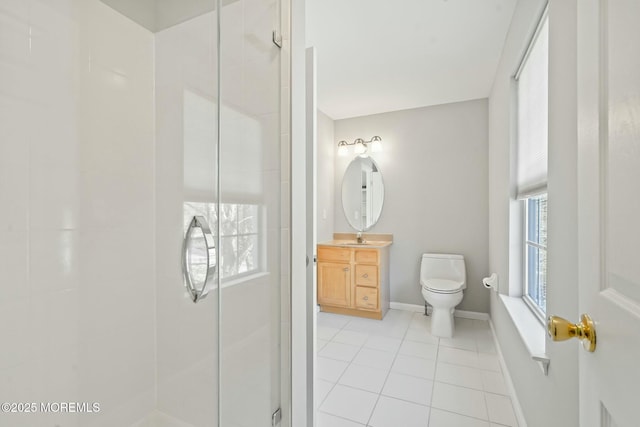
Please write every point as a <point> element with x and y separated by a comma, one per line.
<point>365,275</point>
<point>346,269</point>
<point>366,298</point>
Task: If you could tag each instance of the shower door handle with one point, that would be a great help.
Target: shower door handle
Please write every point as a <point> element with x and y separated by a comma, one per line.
<point>198,263</point>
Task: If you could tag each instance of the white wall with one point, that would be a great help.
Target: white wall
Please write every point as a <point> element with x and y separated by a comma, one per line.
<point>551,400</point>
<point>434,167</point>
<point>77,269</point>
<point>326,153</point>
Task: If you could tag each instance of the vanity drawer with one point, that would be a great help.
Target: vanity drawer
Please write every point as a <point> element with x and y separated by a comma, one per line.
<point>367,256</point>
<point>367,275</point>
<point>366,298</point>
<point>334,254</point>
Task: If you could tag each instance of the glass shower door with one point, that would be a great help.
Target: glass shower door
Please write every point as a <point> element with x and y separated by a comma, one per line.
<point>250,214</point>
<point>187,166</point>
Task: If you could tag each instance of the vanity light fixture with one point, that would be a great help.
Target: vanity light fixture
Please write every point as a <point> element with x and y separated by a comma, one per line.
<point>343,150</point>
<point>360,146</point>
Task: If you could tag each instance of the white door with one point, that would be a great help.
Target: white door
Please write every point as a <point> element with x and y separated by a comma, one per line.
<point>609,208</point>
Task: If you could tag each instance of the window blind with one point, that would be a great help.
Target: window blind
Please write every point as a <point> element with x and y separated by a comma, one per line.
<point>533,94</point>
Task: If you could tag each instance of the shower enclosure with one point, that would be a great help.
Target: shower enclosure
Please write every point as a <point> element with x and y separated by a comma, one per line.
<point>144,219</point>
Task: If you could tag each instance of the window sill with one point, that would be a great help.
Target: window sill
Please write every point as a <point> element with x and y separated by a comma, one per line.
<point>529,328</point>
<point>227,283</point>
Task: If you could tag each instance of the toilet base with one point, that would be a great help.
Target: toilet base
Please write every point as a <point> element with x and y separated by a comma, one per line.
<point>442,322</point>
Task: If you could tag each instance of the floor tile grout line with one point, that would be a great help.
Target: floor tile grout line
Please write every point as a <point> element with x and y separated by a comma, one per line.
<point>342,418</point>
<point>467,416</point>
<point>332,388</point>
<point>384,395</point>
<point>343,372</point>
<point>486,406</point>
<point>345,369</point>
<point>433,385</point>
<point>387,377</point>
<point>406,328</point>
<point>351,362</point>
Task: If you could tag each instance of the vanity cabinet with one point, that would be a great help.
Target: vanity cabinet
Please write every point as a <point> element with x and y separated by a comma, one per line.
<point>353,280</point>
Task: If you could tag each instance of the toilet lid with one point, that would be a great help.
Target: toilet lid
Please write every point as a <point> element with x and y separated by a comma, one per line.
<point>443,286</point>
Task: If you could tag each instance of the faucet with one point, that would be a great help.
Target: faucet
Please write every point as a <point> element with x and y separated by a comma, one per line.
<point>359,238</point>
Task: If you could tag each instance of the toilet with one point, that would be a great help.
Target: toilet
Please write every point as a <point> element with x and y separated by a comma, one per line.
<point>443,278</point>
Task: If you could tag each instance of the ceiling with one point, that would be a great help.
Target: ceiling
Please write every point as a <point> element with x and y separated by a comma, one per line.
<point>375,56</point>
<point>156,15</point>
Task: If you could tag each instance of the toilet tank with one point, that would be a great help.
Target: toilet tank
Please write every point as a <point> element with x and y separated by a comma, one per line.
<point>443,266</point>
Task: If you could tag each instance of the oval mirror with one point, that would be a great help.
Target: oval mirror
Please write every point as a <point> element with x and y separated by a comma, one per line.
<point>362,193</point>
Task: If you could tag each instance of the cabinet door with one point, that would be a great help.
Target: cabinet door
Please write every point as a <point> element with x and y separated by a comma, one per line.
<point>334,284</point>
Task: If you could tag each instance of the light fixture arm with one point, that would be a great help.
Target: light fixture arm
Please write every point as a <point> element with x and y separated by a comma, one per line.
<point>360,141</point>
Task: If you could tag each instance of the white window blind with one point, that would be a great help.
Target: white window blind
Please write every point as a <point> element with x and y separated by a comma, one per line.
<point>533,94</point>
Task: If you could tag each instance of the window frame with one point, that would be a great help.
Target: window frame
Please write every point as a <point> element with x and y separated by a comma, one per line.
<point>533,306</point>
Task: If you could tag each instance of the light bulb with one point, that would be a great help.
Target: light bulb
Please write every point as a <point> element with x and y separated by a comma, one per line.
<point>376,144</point>
<point>342,149</point>
<point>359,148</point>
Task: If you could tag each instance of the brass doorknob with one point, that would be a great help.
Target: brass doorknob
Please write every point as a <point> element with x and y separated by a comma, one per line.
<point>561,329</point>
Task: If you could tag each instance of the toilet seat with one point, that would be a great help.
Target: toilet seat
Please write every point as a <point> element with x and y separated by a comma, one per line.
<point>442,286</point>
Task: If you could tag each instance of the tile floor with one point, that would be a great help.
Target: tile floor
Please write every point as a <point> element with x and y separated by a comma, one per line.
<point>394,373</point>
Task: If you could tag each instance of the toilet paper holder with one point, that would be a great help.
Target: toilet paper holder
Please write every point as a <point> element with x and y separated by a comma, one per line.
<point>491,282</point>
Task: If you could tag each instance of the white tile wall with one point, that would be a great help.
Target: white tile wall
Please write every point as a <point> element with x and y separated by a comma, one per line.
<point>90,120</point>
<point>77,267</point>
<point>417,379</point>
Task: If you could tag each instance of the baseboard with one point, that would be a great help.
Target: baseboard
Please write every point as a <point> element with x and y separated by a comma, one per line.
<point>471,315</point>
<point>407,307</point>
<point>522,422</point>
<point>458,313</point>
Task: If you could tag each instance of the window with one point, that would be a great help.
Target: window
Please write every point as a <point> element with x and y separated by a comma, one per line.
<point>536,254</point>
<point>532,145</point>
<point>239,235</point>
<point>238,239</point>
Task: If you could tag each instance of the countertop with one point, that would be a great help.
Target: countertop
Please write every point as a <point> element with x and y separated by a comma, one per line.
<point>374,244</point>
<point>348,240</point>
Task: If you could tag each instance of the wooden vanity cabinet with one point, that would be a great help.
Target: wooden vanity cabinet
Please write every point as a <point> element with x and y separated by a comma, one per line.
<point>353,280</point>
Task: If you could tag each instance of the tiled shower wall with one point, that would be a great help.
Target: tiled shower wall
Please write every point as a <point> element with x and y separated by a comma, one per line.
<point>77,234</point>
<point>89,200</point>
